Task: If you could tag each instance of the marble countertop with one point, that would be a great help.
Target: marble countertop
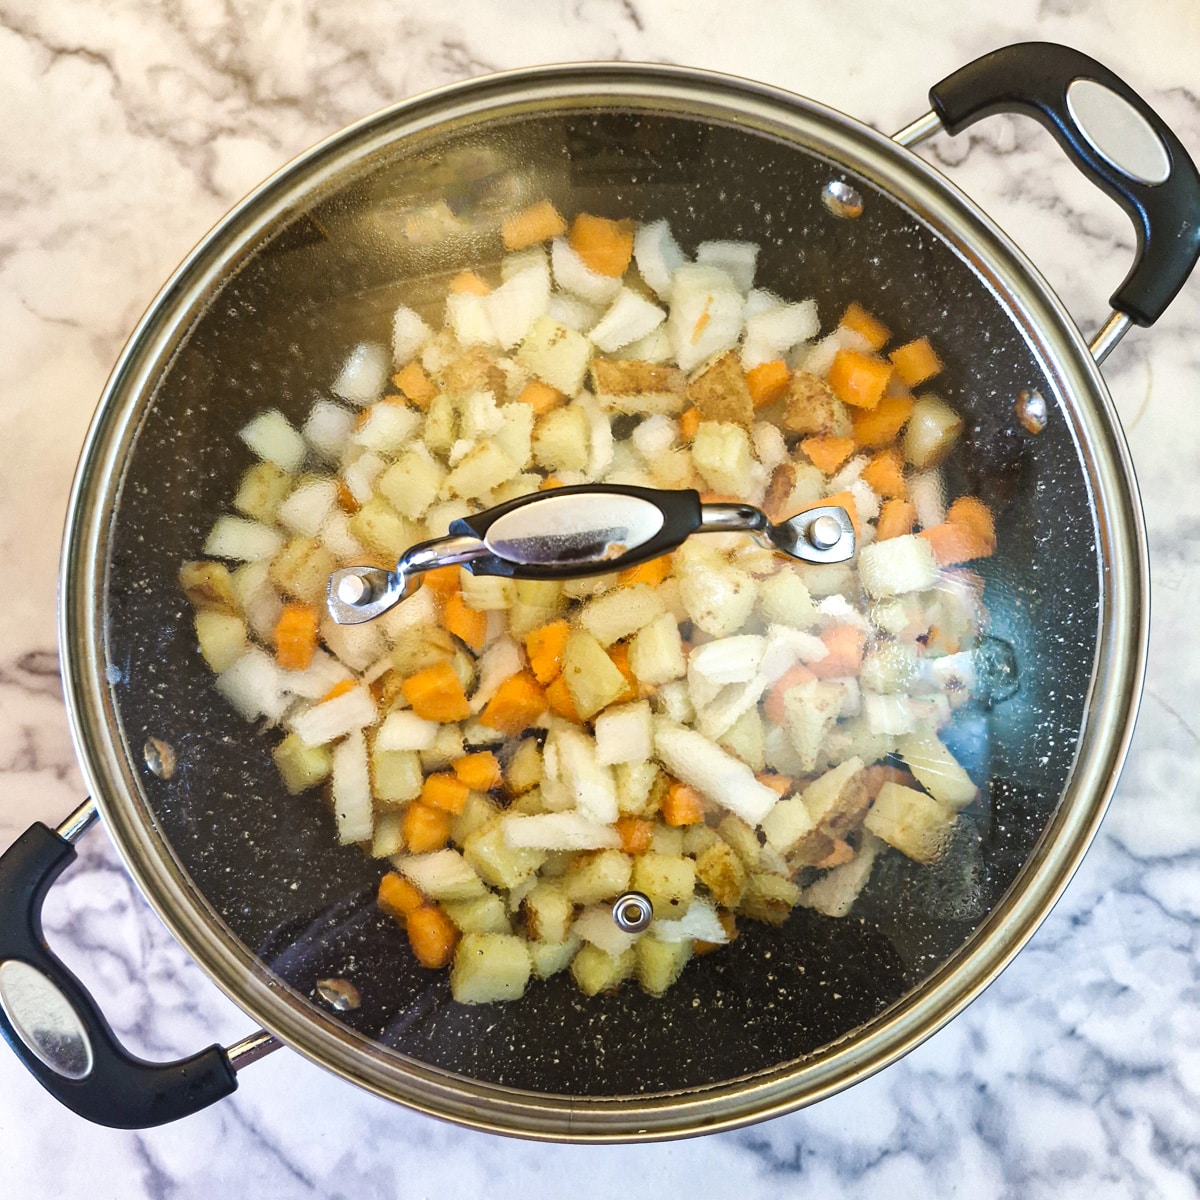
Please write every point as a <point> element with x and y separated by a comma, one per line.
<point>129,128</point>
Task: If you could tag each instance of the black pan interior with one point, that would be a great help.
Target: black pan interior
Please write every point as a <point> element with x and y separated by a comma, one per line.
<point>268,863</point>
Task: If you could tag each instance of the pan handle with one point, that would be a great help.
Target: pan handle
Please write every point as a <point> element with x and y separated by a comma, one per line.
<point>1115,138</point>
<point>53,1024</point>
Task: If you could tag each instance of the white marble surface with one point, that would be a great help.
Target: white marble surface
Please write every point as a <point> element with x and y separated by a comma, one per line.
<point>129,127</point>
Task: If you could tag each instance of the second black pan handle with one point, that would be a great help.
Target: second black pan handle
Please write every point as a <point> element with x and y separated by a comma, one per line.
<point>1113,136</point>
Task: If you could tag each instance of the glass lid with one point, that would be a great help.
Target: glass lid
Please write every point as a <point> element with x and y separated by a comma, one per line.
<point>664,789</point>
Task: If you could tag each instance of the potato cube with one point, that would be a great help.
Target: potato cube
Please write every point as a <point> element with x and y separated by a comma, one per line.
<point>838,799</point>
<point>301,570</point>
<point>719,598</point>
<point>656,652</point>
<point>524,769</point>
<point>914,823</point>
<point>623,611</point>
<point>302,766</point>
<point>489,967</point>
<point>556,355</point>
<point>487,593</point>
<point>719,391</point>
<point>562,440</point>
<point>548,913</point>
<point>746,739</point>
<point>810,407</point>
<point>640,787</point>
<point>632,386</point>
<point>592,678</point>
<point>262,490</point>
<point>625,734</point>
<point>495,861</point>
<point>479,914</point>
<point>659,964</point>
<point>396,775</point>
<point>222,638</point>
<point>551,957</point>
<point>783,598</point>
<point>412,483</point>
<point>668,880</point>
<point>897,565</point>
<point>478,811</point>
<point>741,838</point>
<point>721,453</point>
<point>441,424</point>
<point>938,771</point>
<point>389,835</point>
<point>769,898</point>
<point>788,824</point>
<point>485,467</point>
<point>723,872</point>
<point>595,971</point>
<point>381,528</point>
<point>600,875</point>
<point>209,585</point>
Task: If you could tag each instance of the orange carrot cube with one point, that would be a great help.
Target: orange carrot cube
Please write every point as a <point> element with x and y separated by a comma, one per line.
<point>682,805</point>
<point>544,647</point>
<point>896,518</point>
<point>881,426</point>
<point>773,705</point>
<point>971,513</point>
<point>415,384</point>
<point>781,784</point>
<point>295,637</point>
<point>636,833</point>
<point>767,382</point>
<point>398,897</point>
<point>516,705</point>
<point>443,581</point>
<point>620,657</point>
<point>425,829</point>
<point>828,453</point>
<point>541,397</point>
<point>652,572</point>
<point>884,474</point>
<point>538,223</point>
<point>863,323</point>
<point>446,792</point>
<point>845,645</point>
<point>689,422</point>
<point>468,283</point>
<point>436,694</point>
<point>915,362</point>
<point>605,246</point>
<point>559,699</point>
<point>480,772</point>
<point>859,379</point>
<point>432,936</point>
<point>465,623</point>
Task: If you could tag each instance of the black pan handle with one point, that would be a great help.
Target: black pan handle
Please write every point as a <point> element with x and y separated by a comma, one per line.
<point>54,1026</point>
<point>1113,136</point>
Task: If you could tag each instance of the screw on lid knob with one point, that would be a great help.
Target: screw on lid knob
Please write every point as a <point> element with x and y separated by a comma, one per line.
<point>824,533</point>
<point>632,912</point>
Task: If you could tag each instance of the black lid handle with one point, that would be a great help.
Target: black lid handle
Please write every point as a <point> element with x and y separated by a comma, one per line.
<point>54,1026</point>
<point>1113,136</point>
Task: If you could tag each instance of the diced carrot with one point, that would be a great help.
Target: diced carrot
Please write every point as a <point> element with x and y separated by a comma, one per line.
<point>636,833</point>
<point>620,657</point>
<point>652,572</point>
<point>971,513</point>
<point>777,783</point>
<point>465,623</point>
<point>444,581</point>
<point>845,645</point>
<point>544,647</point>
<point>842,852</point>
<point>538,223</point>
<point>859,379</point>
<point>346,497</point>
<point>916,361</point>
<point>682,805</point>
<point>444,791</point>
<point>767,382</point>
<point>881,425</point>
<point>773,705</point>
<point>828,453</point>
<point>954,543</point>
<point>339,689</point>
<point>468,283</point>
<point>425,829</point>
<point>878,774</point>
<point>295,637</point>
<point>550,483</point>
<point>863,323</point>
<point>541,397</point>
<point>415,384</point>
<point>689,422</point>
<point>896,518</point>
<point>605,246</point>
<point>432,936</point>
<point>561,704</point>
<point>884,474</point>
<point>480,771</point>
<point>516,704</point>
<point>398,897</point>
<point>436,694</point>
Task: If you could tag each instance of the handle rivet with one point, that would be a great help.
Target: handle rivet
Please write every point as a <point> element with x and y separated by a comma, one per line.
<point>632,912</point>
<point>352,589</point>
<point>824,533</point>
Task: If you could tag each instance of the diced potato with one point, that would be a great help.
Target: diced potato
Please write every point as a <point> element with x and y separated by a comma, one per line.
<point>221,636</point>
<point>721,870</point>
<point>897,565</point>
<point>396,775</point>
<point>914,823</point>
<point>242,541</point>
<point>551,957</point>
<point>669,881</point>
<point>838,799</point>
<point>489,967</point>
<point>352,807</point>
<point>388,838</point>
<point>600,875</point>
<point>382,529</point>
<point>810,708</point>
<point>667,840</point>
<point>719,598</point>
<point>746,739</point>
<point>562,440</point>
<point>487,593</point>
<point>721,453</point>
<point>742,839</point>
<point>524,770</point>
<point>441,424</point>
<point>938,771</point>
<point>555,354</point>
<point>719,391</point>
<point>835,892</point>
<point>302,766</point>
<point>498,862</point>
<point>595,971</point>
<point>810,407</point>
<point>632,386</point>
<point>271,436</point>
<point>485,467</point>
<point>656,652</point>
<point>592,678</point>
<point>784,598</point>
<point>262,490</point>
<point>618,613</point>
<point>640,786</point>
<point>625,734</point>
<point>480,914</point>
<point>441,874</point>
<point>769,898</point>
<point>478,810</point>
<point>931,432</point>
<point>548,913</point>
<point>412,483</point>
<point>659,964</point>
<point>788,824</point>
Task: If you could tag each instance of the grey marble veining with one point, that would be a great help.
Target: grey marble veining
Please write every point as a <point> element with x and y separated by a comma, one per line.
<point>130,128</point>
